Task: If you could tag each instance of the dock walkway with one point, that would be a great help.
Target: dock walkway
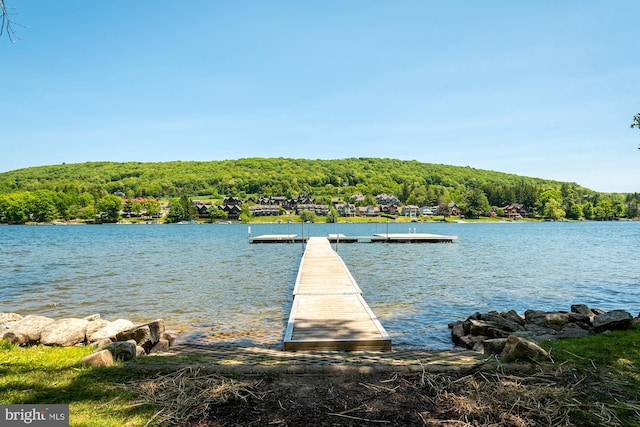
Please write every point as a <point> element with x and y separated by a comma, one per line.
<point>376,238</point>
<point>328,310</point>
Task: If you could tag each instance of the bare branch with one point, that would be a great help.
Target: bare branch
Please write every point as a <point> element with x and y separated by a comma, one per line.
<point>6,24</point>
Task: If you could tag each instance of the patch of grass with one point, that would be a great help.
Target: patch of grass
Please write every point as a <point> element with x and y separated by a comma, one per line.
<point>53,375</point>
<point>610,366</point>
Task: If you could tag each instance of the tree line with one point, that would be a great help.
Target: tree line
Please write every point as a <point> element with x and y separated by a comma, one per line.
<point>93,190</point>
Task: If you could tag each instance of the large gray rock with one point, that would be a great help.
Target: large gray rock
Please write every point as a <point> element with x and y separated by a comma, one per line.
<point>157,329</point>
<point>554,320</point>
<point>94,326</point>
<point>111,330</point>
<point>9,317</point>
<point>170,336</point>
<point>27,330</point>
<point>517,348</point>
<point>574,330</point>
<point>504,323</point>
<point>457,332</point>
<point>146,335</point>
<point>582,309</point>
<point>162,346</point>
<point>612,321</point>
<point>6,320</point>
<point>141,335</point>
<point>99,358</point>
<point>488,329</point>
<point>494,346</point>
<point>64,332</point>
<point>122,350</point>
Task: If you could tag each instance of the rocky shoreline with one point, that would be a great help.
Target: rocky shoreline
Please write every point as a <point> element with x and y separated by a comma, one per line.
<point>507,334</point>
<point>510,334</point>
<point>120,339</point>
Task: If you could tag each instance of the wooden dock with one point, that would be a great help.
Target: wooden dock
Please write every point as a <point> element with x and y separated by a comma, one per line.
<point>328,310</point>
<point>376,238</point>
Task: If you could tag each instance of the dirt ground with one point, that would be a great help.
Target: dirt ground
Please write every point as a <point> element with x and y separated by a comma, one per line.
<point>384,398</point>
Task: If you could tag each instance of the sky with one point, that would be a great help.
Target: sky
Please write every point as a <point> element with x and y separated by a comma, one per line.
<point>545,89</point>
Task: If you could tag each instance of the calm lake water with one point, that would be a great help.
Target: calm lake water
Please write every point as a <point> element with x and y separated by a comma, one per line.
<point>210,283</point>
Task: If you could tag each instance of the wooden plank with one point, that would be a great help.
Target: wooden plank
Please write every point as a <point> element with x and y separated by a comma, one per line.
<point>328,310</point>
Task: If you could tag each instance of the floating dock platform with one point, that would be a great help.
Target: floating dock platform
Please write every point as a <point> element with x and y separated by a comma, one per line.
<point>328,310</point>
<point>376,238</point>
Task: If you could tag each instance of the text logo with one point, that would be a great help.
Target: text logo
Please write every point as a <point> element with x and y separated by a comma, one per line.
<point>34,415</point>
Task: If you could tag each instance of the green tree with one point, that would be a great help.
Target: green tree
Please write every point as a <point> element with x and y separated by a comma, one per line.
<point>588,210</point>
<point>636,121</point>
<point>307,216</point>
<point>152,208</point>
<point>444,209</point>
<point>191,212</point>
<point>176,211</point>
<point>549,204</point>
<point>332,216</point>
<point>215,212</point>
<point>553,210</point>
<point>44,206</point>
<point>109,208</point>
<point>575,211</point>
<point>476,203</point>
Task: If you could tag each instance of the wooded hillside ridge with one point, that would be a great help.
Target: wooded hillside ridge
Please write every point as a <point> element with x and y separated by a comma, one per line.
<point>87,189</point>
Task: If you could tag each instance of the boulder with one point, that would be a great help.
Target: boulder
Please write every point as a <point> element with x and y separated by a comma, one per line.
<point>467,341</point>
<point>580,318</point>
<point>612,321</point>
<point>122,350</point>
<point>582,309</point>
<point>102,344</point>
<point>505,324</point>
<point>517,348</point>
<point>141,335</point>
<point>146,335</point>
<point>64,332</point>
<point>7,320</point>
<point>157,328</point>
<point>553,320</point>
<point>94,326</point>
<point>162,346</point>
<point>9,317</point>
<point>574,330</point>
<point>170,336</point>
<point>27,330</point>
<point>513,316</point>
<point>457,332</point>
<point>494,345</point>
<point>99,358</point>
<point>486,328</point>
<point>110,330</point>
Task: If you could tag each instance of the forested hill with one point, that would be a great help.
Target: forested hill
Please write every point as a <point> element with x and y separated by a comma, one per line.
<point>423,183</point>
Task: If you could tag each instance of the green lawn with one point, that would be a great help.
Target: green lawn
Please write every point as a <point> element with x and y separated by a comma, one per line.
<point>602,372</point>
<point>53,375</point>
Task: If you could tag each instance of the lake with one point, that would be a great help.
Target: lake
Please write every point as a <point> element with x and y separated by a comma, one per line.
<point>208,282</point>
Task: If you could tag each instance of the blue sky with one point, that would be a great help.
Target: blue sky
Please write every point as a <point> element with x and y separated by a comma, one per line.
<point>538,88</point>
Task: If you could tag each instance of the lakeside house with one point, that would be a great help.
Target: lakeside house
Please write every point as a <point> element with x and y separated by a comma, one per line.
<point>516,211</point>
<point>410,210</point>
